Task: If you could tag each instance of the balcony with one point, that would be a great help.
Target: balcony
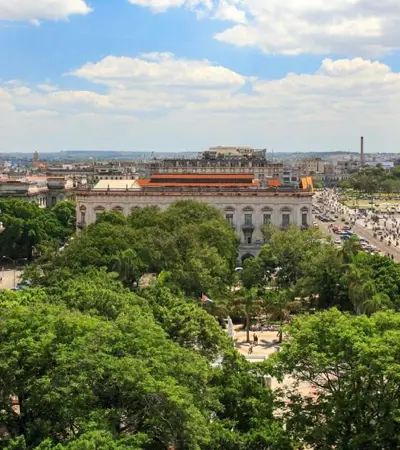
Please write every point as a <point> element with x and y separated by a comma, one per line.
<point>248,227</point>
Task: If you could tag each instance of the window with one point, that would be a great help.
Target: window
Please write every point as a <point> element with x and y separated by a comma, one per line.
<point>229,219</point>
<point>248,219</point>
<point>98,214</point>
<point>83,216</point>
<point>285,220</point>
<point>304,219</point>
<point>267,219</point>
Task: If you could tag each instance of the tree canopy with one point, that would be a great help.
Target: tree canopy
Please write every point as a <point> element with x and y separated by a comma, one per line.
<point>352,367</point>
<point>28,227</point>
<point>189,240</point>
<point>110,347</point>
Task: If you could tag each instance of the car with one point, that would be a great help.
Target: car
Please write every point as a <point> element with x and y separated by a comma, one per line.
<point>338,241</point>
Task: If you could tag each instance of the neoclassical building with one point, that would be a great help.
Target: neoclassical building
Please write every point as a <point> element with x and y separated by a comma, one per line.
<point>244,202</point>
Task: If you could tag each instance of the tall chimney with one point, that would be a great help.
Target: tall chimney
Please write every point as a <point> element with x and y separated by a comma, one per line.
<point>362,157</point>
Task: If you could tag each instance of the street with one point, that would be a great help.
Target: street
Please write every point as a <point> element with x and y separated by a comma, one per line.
<point>383,234</point>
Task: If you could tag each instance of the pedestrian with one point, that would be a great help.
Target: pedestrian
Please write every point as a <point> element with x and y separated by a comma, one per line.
<point>255,339</point>
<point>250,349</point>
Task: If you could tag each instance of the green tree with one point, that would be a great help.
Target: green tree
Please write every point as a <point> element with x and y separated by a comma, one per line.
<point>71,372</point>
<point>351,365</point>
<point>247,302</point>
<point>125,263</point>
<point>65,212</point>
<point>280,305</point>
<point>26,227</point>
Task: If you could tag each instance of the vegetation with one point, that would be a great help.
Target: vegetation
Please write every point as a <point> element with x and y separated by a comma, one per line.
<point>374,180</point>
<point>30,229</point>
<point>111,348</point>
<point>352,364</point>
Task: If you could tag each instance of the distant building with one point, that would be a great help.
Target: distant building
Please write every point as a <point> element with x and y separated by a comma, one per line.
<point>93,173</point>
<point>246,203</point>
<point>228,160</point>
<point>312,166</point>
<point>45,191</point>
<point>36,164</point>
<point>232,152</point>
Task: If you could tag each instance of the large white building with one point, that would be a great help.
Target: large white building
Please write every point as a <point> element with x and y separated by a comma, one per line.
<point>245,204</point>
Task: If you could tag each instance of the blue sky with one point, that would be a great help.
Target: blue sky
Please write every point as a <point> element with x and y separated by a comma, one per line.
<point>188,74</point>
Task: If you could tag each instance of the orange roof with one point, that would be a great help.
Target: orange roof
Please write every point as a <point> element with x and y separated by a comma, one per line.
<point>143,182</point>
<point>274,183</point>
<point>205,176</point>
<point>202,185</point>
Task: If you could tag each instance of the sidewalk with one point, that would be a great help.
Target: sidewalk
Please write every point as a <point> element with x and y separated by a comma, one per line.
<point>8,278</point>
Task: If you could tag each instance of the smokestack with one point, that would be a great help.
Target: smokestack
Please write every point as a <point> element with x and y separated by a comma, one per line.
<point>362,157</point>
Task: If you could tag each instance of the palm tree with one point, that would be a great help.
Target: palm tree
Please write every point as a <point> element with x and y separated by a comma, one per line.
<point>247,302</point>
<point>360,286</point>
<point>377,302</point>
<point>279,305</point>
<point>125,264</point>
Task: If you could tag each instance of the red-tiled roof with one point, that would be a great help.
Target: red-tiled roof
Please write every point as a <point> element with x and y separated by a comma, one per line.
<point>203,185</point>
<point>143,182</point>
<point>206,176</point>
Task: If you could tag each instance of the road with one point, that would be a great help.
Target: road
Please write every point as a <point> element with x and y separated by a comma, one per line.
<point>361,225</point>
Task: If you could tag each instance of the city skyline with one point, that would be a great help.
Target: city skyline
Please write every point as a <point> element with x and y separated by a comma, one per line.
<point>176,75</point>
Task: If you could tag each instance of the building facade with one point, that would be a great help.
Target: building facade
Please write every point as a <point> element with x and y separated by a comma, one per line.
<point>311,166</point>
<point>45,191</point>
<point>244,203</point>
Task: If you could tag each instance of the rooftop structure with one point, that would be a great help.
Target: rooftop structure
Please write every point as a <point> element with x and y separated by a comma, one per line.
<point>45,191</point>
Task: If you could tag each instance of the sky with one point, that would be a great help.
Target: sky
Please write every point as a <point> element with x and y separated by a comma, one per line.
<point>184,75</point>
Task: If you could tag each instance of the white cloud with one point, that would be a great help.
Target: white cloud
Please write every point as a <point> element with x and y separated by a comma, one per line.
<point>229,12</point>
<point>159,5</point>
<point>35,10</point>
<point>159,69</point>
<point>161,102</point>
<point>352,27</point>
<point>46,87</point>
